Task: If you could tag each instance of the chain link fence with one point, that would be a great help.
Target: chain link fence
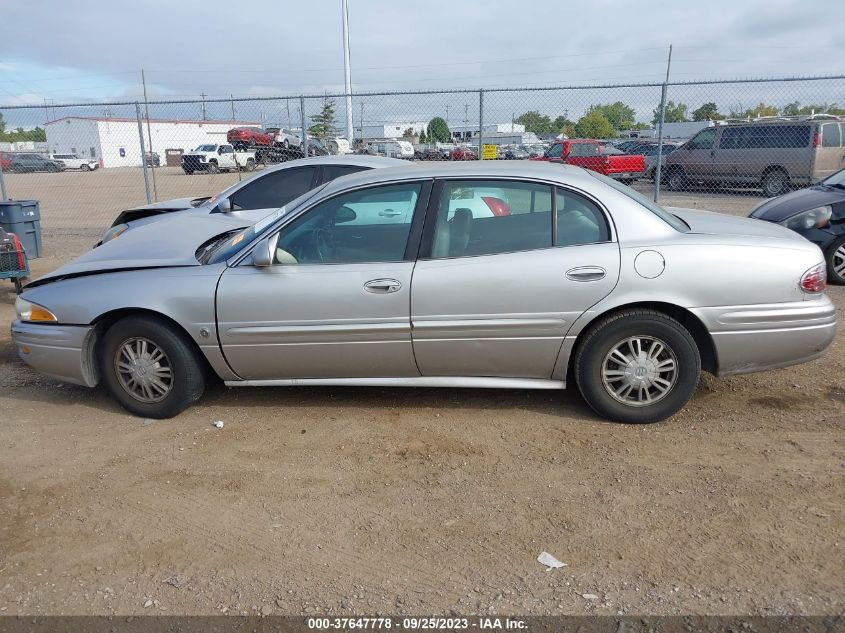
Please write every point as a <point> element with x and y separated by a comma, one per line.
<point>723,145</point>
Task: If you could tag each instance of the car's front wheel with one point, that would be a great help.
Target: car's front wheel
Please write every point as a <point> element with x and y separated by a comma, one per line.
<point>213,167</point>
<point>637,366</point>
<point>835,257</point>
<point>85,167</point>
<point>150,368</point>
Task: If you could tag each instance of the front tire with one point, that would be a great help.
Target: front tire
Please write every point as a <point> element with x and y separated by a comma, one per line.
<point>637,366</point>
<point>250,165</point>
<point>835,258</point>
<point>149,368</point>
<point>213,167</point>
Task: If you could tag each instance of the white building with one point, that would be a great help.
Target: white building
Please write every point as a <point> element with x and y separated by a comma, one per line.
<point>504,128</point>
<point>391,129</point>
<point>115,141</point>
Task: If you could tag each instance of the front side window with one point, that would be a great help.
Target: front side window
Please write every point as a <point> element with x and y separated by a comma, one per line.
<point>274,190</point>
<point>555,151</point>
<point>731,138</point>
<point>485,217</point>
<point>703,140</point>
<point>369,225</point>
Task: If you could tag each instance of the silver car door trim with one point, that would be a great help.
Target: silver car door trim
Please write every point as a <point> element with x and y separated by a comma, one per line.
<point>470,382</point>
<point>322,330</point>
<point>383,286</point>
<point>586,273</point>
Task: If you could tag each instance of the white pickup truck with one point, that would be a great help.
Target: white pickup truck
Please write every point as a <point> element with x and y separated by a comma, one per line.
<point>72,161</point>
<point>214,158</point>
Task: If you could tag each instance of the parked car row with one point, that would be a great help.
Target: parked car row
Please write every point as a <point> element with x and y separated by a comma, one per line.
<point>373,271</point>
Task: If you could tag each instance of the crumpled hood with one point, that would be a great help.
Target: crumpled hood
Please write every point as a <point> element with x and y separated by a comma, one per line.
<point>172,241</point>
<point>711,223</point>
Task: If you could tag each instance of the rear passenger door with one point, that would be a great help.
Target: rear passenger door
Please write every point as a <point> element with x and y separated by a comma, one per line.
<point>494,295</point>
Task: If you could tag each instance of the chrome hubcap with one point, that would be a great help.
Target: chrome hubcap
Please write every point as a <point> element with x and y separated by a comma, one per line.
<point>143,370</point>
<point>640,371</point>
<point>839,261</point>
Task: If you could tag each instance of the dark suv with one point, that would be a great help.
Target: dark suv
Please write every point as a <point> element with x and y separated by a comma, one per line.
<point>34,162</point>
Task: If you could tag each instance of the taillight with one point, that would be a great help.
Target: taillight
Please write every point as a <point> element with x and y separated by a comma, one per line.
<point>817,139</point>
<point>815,279</point>
<point>19,249</point>
<point>497,206</point>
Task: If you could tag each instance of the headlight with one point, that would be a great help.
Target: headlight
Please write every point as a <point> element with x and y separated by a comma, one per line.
<point>817,218</point>
<point>115,231</point>
<point>27,311</point>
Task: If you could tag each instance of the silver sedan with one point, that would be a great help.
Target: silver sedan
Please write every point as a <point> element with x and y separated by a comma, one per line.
<point>475,274</point>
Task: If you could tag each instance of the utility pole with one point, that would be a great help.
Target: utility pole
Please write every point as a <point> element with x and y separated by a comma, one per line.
<point>347,69</point>
<point>204,114</point>
<point>466,120</point>
<point>232,98</point>
<point>149,136</point>
<point>658,174</point>
<point>362,124</point>
<point>447,119</point>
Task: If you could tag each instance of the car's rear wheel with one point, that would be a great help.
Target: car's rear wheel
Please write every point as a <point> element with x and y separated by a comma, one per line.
<point>213,167</point>
<point>637,366</point>
<point>677,180</point>
<point>150,368</point>
<point>775,183</point>
<point>835,257</point>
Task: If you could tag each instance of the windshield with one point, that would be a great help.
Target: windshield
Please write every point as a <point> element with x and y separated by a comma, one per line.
<point>673,221</point>
<point>836,180</point>
<point>224,249</point>
<point>206,148</point>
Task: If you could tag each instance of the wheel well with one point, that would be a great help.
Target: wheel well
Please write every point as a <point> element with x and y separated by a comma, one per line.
<point>773,168</point>
<point>692,323</point>
<point>103,322</point>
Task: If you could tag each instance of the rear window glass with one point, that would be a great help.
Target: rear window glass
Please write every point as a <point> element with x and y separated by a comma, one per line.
<point>675,222</point>
<point>775,136</point>
<point>830,135</point>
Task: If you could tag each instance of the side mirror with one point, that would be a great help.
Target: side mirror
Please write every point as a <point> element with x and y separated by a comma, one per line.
<point>224,206</point>
<point>219,150</point>
<point>262,254</point>
<point>345,214</point>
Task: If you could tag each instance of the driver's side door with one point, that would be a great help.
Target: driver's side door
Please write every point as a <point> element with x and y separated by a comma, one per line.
<point>336,302</point>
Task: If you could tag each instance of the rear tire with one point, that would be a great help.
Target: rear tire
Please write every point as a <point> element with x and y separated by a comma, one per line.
<point>835,258</point>
<point>775,183</point>
<point>677,180</point>
<point>168,358</point>
<point>637,366</point>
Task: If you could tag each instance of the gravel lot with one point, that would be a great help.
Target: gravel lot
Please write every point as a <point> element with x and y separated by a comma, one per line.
<point>411,501</point>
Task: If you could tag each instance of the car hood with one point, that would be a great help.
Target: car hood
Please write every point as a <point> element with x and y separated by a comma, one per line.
<point>710,223</point>
<point>172,241</point>
<point>783,207</point>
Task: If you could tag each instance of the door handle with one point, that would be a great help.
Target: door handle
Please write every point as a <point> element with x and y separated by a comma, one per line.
<point>382,286</point>
<point>586,273</point>
<point>389,213</point>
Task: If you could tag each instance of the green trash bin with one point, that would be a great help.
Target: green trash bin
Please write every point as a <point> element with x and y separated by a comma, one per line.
<point>23,218</point>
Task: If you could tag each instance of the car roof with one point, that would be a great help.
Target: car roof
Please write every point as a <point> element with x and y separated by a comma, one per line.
<point>539,170</point>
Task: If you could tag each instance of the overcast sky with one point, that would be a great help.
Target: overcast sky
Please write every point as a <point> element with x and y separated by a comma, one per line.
<point>75,50</point>
<point>94,49</point>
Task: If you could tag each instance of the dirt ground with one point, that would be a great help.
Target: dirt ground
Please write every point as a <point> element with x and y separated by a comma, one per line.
<point>342,501</point>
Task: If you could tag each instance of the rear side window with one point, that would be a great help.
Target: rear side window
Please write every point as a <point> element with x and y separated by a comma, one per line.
<point>487,217</point>
<point>776,136</point>
<point>274,190</point>
<point>330,172</point>
<point>830,135</point>
<point>583,149</point>
<point>579,220</point>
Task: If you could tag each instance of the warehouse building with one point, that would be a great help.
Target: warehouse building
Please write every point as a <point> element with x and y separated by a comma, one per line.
<point>115,143</point>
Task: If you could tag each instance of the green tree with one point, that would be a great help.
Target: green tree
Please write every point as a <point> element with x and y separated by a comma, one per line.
<point>560,124</point>
<point>423,139</point>
<point>2,124</point>
<point>795,108</point>
<point>408,133</point>
<point>675,113</point>
<point>535,122</point>
<point>707,112</point>
<point>323,124</point>
<point>594,124</point>
<point>761,109</point>
<point>621,116</point>
<point>438,131</point>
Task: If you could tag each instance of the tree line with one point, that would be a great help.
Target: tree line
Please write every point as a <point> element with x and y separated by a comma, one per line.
<point>19,134</point>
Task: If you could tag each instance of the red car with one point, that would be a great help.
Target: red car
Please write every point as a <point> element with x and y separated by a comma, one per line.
<point>463,153</point>
<point>248,138</point>
<point>5,161</point>
<point>590,154</point>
